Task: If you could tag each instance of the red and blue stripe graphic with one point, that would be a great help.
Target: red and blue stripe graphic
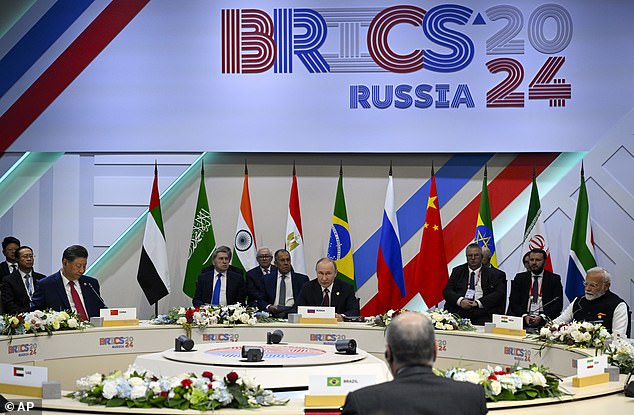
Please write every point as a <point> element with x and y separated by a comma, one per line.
<point>68,65</point>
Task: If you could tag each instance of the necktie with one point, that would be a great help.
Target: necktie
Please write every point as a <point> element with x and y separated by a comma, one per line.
<point>215,300</point>
<point>77,300</point>
<point>326,301</point>
<point>13,268</point>
<point>282,295</point>
<point>472,281</point>
<point>266,271</point>
<point>27,282</point>
<point>535,289</point>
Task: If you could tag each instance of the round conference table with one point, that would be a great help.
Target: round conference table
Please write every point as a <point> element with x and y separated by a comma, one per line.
<point>69,355</point>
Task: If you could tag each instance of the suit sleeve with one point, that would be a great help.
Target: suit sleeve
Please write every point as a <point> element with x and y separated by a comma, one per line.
<point>553,310</point>
<point>8,298</point>
<point>254,289</point>
<point>515,299</point>
<point>352,304</point>
<point>451,293</point>
<point>197,301</point>
<point>304,297</point>
<point>242,290</point>
<point>495,298</point>
<point>350,407</point>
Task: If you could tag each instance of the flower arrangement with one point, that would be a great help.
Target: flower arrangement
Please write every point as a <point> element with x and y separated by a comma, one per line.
<point>510,384</point>
<point>137,388</point>
<point>442,320</point>
<point>205,316</point>
<point>621,354</point>
<point>37,321</point>
<point>575,334</point>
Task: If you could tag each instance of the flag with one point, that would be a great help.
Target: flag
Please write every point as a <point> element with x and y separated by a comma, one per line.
<point>484,224</point>
<point>431,266</point>
<point>294,235</point>
<point>153,274</point>
<point>389,264</point>
<point>244,246</point>
<point>535,230</point>
<point>202,242</point>
<point>581,247</point>
<point>340,243</point>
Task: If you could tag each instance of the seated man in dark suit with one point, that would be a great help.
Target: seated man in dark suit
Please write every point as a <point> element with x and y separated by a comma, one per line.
<point>220,286</point>
<point>410,352</point>
<point>474,291</point>
<point>326,290</point>
<point>255,276</point>
<point>60,290</point>
<point>279,295</point>
<point>536,295</point>
<point>18,288</point>
<point>599,305</point>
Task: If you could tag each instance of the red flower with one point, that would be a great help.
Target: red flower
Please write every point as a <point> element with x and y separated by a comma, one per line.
<point>207,374</point>
<point>232,377</point>
<point>209,386</point>
<point>163,393</point>
<point>189,315</point>
<point>186,383</point>
<point>492,377</point>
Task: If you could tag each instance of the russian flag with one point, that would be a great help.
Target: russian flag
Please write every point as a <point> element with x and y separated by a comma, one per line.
<point>389,266</point>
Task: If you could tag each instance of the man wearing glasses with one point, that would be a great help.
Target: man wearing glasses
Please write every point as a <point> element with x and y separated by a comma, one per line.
<point>256,275</point>
<point>599,305</point>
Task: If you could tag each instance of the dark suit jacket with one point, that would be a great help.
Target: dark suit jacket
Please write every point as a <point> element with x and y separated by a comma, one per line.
<point>417,390</point>
<point>50,293</point>
<point>342,297</point>
<point>236,290</point>
<point>493,282</point>
<point>4,270</point>
<point>551,289</point>
<point>255,285</point>
<point>15,299</point>
<point>270,285</point>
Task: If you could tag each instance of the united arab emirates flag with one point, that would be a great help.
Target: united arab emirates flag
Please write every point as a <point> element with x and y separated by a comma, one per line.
<point>153,274</point>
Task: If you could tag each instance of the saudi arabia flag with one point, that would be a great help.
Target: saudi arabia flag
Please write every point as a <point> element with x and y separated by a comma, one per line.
<point>153,274</point>
<point>244,244</point>
<point>202,242</point>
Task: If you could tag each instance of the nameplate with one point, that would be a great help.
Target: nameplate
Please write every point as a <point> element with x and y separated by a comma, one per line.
<point>578,382</point>
<point>120,323</point>
<point>316,312</point>
<point>324,401</point>
<point>22,380</point>
<point>591,366</point>
<point>338,384</point>
<point>311,320</point>
<point>508,322</point>
<point>118,313</point>
<point>508,332</point>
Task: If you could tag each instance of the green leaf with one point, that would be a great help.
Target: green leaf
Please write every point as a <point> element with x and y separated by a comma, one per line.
<point>115,402</point>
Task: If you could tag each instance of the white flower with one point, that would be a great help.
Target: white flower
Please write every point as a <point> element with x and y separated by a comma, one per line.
<point>182,310</point>
<point>155,387</point>
<point>138,391</point>
<point>249,382</point>
<point>526,377</point>
<point>538,379</point>
<point>472,377</point>
<point>244,318</point>
<point>439,325</point>
<point>109,389</point>
<point>496,387</point>
<point>181,320</point>
<point>72,323</point>
<point>544,331</point>
<point>448,327</point>
<point>135,381</point>
<point>390,313</point>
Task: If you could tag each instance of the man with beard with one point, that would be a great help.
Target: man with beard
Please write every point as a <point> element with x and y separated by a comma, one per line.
<point>599,305</point>
<point>536,295</point>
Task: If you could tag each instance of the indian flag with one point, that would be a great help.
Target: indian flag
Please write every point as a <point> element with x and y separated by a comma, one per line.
<point>244,243</point>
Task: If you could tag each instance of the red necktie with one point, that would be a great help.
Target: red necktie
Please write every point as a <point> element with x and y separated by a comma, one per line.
<point>326,300</point>
<point>78,304</point>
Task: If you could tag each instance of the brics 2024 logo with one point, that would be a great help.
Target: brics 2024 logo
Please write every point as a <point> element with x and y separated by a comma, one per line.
<point>254,41</point>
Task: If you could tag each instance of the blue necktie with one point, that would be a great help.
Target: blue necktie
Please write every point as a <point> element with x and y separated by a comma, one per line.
<point>215,300</point>
<point>27,281</point>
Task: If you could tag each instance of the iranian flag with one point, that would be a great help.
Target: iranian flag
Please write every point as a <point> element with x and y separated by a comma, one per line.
<point>153,274</point>
<point>535,230</point>
<point>294,238</point>
<point>244,242</point>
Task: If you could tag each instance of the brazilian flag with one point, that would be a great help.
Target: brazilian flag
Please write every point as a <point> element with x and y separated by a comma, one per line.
<point>484,226</point>
<point>333,381</point>
<point>340,244</point>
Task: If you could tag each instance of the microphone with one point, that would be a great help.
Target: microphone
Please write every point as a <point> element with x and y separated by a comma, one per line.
<point>541,309</point>
<point>103,303</point>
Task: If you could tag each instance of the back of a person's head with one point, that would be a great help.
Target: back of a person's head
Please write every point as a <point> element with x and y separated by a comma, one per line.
<point>411,339</point>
